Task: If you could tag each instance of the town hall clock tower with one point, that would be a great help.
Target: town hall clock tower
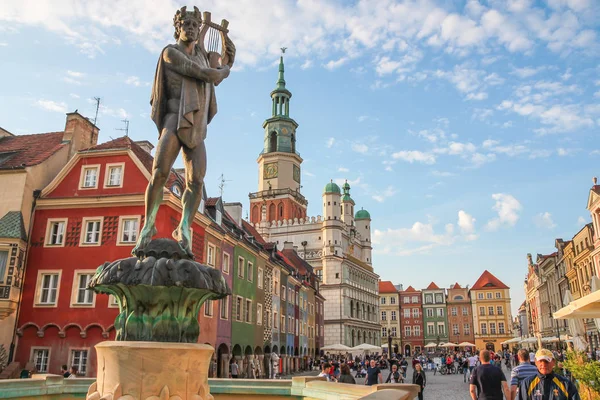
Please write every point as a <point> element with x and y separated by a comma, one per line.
<point>278,197</point>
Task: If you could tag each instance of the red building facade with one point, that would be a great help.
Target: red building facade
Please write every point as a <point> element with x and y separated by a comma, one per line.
<point>90,214</point>
<point>411,321</point>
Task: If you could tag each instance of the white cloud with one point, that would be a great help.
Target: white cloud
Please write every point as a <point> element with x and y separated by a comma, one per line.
<point>330,142</point>
<point>544,221</point>
<point>442,174</point>
<point>412,156</point>
<point>75,74</point>
<point>52,105</point>
<point>490,143</point>
<point>360,148</point>
<point>508,209</point>
<point>527,72</point>
<point>581,221</point>
<point>362,118</point>
<point>73,95</point>
<point>466,222</point>
<point>342,169</point>
<point>382,196</point>
<point>135,81</point>
<point>307,64</point>
<point>477,96</point>
<point>334,64</point>
<point>479,159</point>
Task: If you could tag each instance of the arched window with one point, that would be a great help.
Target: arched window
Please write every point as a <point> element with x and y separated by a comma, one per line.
<point>352,313</point>
<point>273,142</point>
<point>280,211</point>
<point>255,214</point>
<point>272,215</point>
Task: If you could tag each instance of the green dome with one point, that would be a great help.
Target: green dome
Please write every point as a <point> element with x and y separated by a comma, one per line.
<point>332,187</point>
<point>362,214</point>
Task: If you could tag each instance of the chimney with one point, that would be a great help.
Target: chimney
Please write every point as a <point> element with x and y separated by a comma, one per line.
<point>80,133</point>
<point>235,210</point>
<point>145,145</point>
<point>288,245</point>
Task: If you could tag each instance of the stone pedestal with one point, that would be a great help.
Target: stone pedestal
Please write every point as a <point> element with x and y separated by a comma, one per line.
<point>151,370</point>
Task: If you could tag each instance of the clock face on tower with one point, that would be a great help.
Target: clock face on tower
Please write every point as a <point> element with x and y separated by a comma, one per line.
<point>270,171</point>
<point>297,173</point>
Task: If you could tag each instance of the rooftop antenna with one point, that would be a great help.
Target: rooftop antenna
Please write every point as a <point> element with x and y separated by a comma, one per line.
<point>126,129</point>
<point>97,100</point>
<point>222,181</point>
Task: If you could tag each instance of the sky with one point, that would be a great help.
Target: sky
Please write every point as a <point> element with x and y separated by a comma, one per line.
<point>468,129</point>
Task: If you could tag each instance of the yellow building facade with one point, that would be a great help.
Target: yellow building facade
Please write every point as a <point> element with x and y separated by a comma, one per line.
<point>492,319</point>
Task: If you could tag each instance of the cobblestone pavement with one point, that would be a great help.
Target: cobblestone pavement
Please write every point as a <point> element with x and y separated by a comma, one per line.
<point>439,387</point>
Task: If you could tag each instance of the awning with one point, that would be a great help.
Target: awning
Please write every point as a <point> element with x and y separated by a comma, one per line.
<point>513,340</point>
<point>585,307</point>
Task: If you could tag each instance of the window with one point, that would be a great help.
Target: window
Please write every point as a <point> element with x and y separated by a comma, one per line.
<point>275,320</point>
<point>248,312</point>
<point>55,233</point>
<point>394,333</point>
<point>259,314</point>
<point>218,217</point>
<point>438,298</point>
<point>89,177</point>
<point>440,312</point>
<point>406,313</point>
<point>383,300</point>
<point>383,315</point>
<point>210,255</point>
<point>491,310</point>
<point>484,329</point>
<point>114,175</point>
<point>501,327</point>
<point>208,308</point>
<point>79,359</point>
<point>250,270</point>
<point>465,311</point>
<point>455,329</point>
<point>201,207</point>
<point>128,229</point>
<point>480,295</point>
<point>407,331</point>
<point>498,293</point>
<point>91,232</point>
<point>259,278</point>
<point>48,288</point>
<point>283,323</point>
<point>406,300</point>
<point>493,328</point>
<point>41,359</point>
<point>393,315</point>
<point>417,330</point>
<point>81,295</point>
<point>499,310</point>
<point>489,295</point>
<point>467,329</point>
<point>428,299</point>
<point>296,327</point>
<point>430,329</point>
<point>3,263</point>
<point>430,312</point>
<point>481,310</point>
<point>441,329</point>
<point>383,331</point>
<point>453,311</point>
<point>238,308</point>
<point>392,300</point>
<point>290,325</point>
<point>415,299</point>
<point>225,266</point>
<point>415,313</point>
<point>224,305</point>
<point>240,267</point>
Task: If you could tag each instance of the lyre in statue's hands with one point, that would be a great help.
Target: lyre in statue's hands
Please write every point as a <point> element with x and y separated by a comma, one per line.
<point>229,57</point>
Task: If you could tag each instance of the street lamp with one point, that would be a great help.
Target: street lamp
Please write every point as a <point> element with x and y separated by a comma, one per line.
<point>390,346</point>
<point>552,306</point>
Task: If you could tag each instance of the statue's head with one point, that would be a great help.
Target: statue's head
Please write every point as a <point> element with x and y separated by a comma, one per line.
<point>187,24</point>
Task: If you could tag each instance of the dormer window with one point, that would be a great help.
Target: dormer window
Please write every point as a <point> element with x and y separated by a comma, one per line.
<point>219,217</point>
<point>89,177</point>
<point>177,190</point>
<point>201,208</point>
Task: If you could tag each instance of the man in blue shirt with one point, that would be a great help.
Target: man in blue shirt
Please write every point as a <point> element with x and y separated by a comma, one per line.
<point>546,385</point>
<point>520,372</point>
<point>373,374</point>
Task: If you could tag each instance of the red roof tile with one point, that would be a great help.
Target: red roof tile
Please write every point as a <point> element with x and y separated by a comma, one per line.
<point>456,286</point>
<point>212,201</point>
<point>487,280</point>
<point>22,151</point>
<point>432,286</point>
<point>411,289</point>
<point>250,229</point>
<point>387,287</point>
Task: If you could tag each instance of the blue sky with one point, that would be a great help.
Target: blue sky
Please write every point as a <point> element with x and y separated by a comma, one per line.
<point>468,129</point>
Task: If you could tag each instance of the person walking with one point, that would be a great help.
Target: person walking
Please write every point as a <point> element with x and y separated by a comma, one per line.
<point>373,374</point>
<point>403,367</point>
<point>346,375</point>
<point>546,385</point>
<point>235,369</point>
<point>419,378</point>
<point>520,372</point>
<point>465,369</point>
<point>488,382</point>
<point>394,376</point>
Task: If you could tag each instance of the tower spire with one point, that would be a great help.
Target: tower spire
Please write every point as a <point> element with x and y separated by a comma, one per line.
<point>281,79</point>
<point>280,95</point>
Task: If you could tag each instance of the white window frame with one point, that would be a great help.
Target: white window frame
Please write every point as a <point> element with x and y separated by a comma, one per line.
<point>211,253</point>
<point>415,299</point>
<point>394,315</point>
<point>432,330</point>
<point>483,328</point>
<point>85,168</point>
<point>49,224</point>
<point>406,300</point>
<point>38,287</point>
<point>275,320</point>
<point>4,271</point>
<point>87,360</point>
<point>417,330</point>
<point>430,313</point>
<point>122,219</point>
<point>407,331</point>
<point>84,231</point>
<point>392,300</point>
<point>259,278</point>
<point>31,357</point>
<point>250,271</point>
<point>441,328</point>
<point>225,265</point>
<point>415,313</point>
<point>112,301</point>
<point>75,289</point>
<point>440,312</point>
<point>384,315</point>
<point>259,314</point>
<point>501,328</point>
<point>218,217</point>
<point>224,303</point>
<point>480,296</point>
<point>238,313</point>
<point>407,313</point>
<point>382,300</point>
<point>107,170</point>
<point>466,329</point>
<point>241,271</point>
<point>248,311</point>
<point>209,309</point>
